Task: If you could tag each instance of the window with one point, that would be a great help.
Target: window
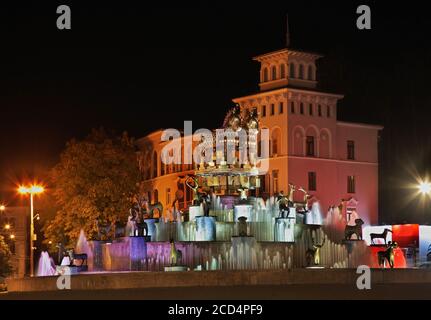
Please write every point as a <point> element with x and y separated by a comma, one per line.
<point>275,181</point>
<point>310,73</point>
<point>310,146</point>
<point>272,109</point>
<point>292,107</point>
<point>274,73</point>
<point>292,70</point>
<point>156,196</point>
<point>301,71</point>
<point>301,108</point>
<point>265,75</point>
<point>275,139</point>
<point>263,111</point>
<point>282,71</point>
<point>319,110</point>
<point>351,184</point>
<point>312,185</point>
<point>351,150</point>
<point>328,111</point>
<point>310,109</point>
<point>280,108</point>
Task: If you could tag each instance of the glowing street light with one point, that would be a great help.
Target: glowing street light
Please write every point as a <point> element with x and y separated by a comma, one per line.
<point>7,226</point>
<point>2,208</point>
<point>31,190</point>
<point>425,187</point>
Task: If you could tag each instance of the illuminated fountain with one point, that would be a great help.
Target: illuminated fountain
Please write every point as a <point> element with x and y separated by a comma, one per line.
<point>229,227</point>
<point>46,266</point>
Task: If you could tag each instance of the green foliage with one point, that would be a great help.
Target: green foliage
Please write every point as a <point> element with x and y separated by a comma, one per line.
<point>5,254</point>
<point>95,180</point>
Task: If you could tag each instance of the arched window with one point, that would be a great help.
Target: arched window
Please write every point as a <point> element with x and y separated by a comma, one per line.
<point>301,72</point>
<point>274,73</point>
<point>156,196</point>
<point>298,141</point>
<point>282,71</point>
<point>310,73</point>
<point>292,70</point>
<point>155,165</point>
<point>265,75</point>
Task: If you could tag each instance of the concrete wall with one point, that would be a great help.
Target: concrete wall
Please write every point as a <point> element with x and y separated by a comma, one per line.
<point>220,278</point>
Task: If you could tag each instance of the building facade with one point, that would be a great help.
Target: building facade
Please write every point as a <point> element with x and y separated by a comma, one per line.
<point>333,160</point>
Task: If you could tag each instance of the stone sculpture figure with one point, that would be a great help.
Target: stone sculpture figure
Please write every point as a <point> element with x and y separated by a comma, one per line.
<point>195,188</point>
<point>283,205</point>
<point>349,231</point>
<point>242,226</point>
<point>175,255</point>
<point>312,256</point>
<point>388,254</point>
<point>292,189</point>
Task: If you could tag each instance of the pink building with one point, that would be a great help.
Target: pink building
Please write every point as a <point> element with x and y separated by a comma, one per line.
<point>309,147</point>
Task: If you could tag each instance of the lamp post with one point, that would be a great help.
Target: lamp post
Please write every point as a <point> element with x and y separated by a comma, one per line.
<point>425,187</point>
<point>31,190</point>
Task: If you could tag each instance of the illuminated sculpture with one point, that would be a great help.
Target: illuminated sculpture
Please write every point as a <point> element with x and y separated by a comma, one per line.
<point>388,255</point>
<point>77,256</point>
<point>195,188</point>
<point>175,255</point>
<point>382,235</point>
<point>312,256</point>
<point>349,231</point>
<point>233,118</point>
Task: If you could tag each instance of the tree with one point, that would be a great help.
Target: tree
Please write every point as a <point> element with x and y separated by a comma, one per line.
<point>5,254</point>
<point>94,182</point>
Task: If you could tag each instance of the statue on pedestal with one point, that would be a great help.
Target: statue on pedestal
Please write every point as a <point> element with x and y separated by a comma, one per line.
<point>242,226</point>
<point>349,231</point>
<point>195,188</point>
<point>283,205</point>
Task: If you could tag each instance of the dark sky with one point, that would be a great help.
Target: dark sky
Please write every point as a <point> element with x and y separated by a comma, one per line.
<point>140,68</point>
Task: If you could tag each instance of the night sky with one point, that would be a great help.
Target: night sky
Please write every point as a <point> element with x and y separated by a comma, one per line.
<point>141,68</point>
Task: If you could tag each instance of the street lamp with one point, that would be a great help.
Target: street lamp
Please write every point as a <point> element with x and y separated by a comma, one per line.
<point>424,187</point>
<point>31,190</point>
